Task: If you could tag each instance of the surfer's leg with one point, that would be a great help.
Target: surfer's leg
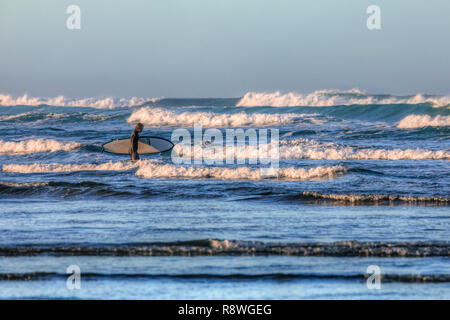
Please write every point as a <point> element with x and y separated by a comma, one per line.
<point>134,156</point>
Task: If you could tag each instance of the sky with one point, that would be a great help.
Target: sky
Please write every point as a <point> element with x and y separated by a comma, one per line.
<point>222,48</point>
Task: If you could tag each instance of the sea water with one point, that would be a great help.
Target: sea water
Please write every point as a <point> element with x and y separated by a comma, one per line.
<point>364,180</point>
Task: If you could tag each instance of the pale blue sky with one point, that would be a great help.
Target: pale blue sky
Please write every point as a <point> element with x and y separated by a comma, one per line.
<point>222,48</point>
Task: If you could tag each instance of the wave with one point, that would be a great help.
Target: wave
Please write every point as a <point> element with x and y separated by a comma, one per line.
<point>38,118</point>
<point>385,278</point>
<point>369,198</point>
<point>328,98</point>
<point>240,247</point>
<point>57,167</point>
<point>414,121</point>
<point>87,189</point>
<point>89,184</point>
<point>60,189</point>
<point>22,184</point>
<point>157,117</point>
<point>98,103</point>
<point>150,170</point>
<point>14,116</point>
<point>311,149</point>
<point>36,145</point>
<point>308,149</point>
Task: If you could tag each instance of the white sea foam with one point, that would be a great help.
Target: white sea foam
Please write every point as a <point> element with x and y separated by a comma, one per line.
<point>61,167</point>
<point>152,170</point>
<point>422,120</point>
<point>156,117</point>
<point>327,98</point>
<point>99,103</point>
<point>36,145</point>
<point>310,149</point>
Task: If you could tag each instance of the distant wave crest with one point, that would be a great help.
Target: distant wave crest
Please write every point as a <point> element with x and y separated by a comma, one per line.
<point>328,98</point>
<point>156,117</point>
<point>99,103</point>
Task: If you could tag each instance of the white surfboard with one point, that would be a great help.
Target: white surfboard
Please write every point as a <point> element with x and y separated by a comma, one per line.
<point>146,145</point>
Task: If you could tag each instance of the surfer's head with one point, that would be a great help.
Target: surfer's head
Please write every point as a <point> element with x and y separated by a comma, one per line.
<point>139,127</point>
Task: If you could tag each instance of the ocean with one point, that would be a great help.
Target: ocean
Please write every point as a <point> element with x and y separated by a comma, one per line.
<point>363,184</point>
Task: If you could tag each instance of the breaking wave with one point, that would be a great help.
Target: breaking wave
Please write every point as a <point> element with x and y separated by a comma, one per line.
<point>310,149</point>
<point>422,120</point>
<point>328,98</point>
<point>98,103</point>
<point>307,149</point>
<point>150,170</point>
<point>157,117</point>
<point>57,167</point>
<point>36,145</point>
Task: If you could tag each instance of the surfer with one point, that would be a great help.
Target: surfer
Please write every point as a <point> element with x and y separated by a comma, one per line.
<point>134,141</point>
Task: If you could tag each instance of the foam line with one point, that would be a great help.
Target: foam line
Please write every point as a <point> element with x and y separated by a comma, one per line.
<point>36,145</point>
<point>93,102</point>
<point>58,167</point>
<point>151,170</point>
<point>329,98</point>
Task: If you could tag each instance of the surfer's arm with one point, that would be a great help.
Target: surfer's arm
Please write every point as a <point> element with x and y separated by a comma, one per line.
<point>132,143</point>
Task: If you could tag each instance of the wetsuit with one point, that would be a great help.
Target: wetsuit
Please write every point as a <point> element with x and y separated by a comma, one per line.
<point>134,145</point>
